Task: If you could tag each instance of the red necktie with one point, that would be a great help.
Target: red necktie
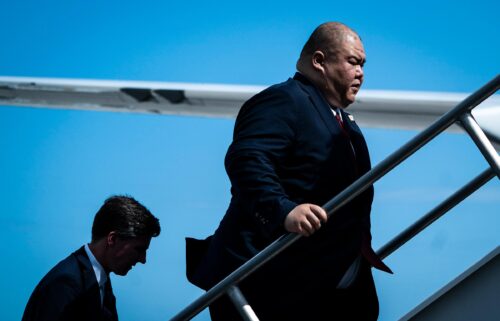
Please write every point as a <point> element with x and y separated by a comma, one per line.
<point>339,119</point>
<point>366,248</point>
<point>371,256</point>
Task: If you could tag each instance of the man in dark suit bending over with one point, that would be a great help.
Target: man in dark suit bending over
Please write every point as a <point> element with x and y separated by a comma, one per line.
<point>79,287</point>
<point>294,148</point>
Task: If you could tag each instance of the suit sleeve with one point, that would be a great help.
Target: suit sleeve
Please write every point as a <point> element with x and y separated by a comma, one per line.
<point>263,138</point>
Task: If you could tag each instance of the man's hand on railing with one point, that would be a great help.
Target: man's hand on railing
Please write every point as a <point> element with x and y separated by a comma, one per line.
<point>305,219</point>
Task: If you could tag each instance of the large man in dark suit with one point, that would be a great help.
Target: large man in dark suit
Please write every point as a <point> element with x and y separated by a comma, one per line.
<point>294,148</point>
<point>79,287</point>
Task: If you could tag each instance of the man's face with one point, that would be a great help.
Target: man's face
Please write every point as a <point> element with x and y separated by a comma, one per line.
<point>343,73</point>
<point>127,252</point>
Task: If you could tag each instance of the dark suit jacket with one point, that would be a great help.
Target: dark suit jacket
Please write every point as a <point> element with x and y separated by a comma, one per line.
<point>288,149</point>
<point>70,292</point>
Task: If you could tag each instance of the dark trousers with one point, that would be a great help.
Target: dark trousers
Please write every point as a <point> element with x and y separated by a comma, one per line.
<point>305,303</point>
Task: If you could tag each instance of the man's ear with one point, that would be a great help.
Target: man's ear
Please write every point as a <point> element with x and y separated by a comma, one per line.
<point>318,61</point>
<point>111,238</point>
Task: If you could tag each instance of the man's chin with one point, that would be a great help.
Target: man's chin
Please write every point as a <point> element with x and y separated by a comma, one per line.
<point>348,101</point>
<point>122,272</point>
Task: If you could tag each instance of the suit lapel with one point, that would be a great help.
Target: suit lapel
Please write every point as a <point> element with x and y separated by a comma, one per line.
<point>358,142</point>
<point>319,103</point>
<point>89,281</point>
<point>360,156</point>
<point>88,274</point>
<point>92,292</point>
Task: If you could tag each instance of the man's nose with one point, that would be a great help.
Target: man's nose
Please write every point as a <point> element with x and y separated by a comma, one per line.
<point>359,71</point>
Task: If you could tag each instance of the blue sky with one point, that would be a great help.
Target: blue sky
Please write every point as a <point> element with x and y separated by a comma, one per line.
<point>57,166</point>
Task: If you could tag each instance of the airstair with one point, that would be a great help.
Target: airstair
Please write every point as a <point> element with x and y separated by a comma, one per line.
<point>473,295</point>
<point>482,279</point>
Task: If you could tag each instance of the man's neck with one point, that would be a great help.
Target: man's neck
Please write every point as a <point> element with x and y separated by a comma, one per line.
<point>97,249</point>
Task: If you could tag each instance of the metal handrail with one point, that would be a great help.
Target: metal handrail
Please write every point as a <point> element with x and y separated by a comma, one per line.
<point>342,198</point>
<point>479,137</point>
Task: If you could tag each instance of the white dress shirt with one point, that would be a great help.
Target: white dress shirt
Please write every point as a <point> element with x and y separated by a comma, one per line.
<point>100,274</point>
<point>334,111</point>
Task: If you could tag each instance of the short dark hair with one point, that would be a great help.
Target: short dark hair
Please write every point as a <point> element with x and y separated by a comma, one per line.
<point>126,216</point>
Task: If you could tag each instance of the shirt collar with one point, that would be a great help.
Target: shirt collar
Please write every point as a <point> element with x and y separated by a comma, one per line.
<point>100,274</point>
<point>336,111</point>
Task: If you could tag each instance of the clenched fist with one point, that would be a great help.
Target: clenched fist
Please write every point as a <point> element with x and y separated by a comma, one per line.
<point>305,219</point>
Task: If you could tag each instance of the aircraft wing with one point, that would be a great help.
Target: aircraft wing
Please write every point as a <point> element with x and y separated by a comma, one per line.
<point>373,108</point>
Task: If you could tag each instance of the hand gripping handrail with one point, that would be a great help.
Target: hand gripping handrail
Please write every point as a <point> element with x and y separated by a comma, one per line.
<point>353,190</point>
